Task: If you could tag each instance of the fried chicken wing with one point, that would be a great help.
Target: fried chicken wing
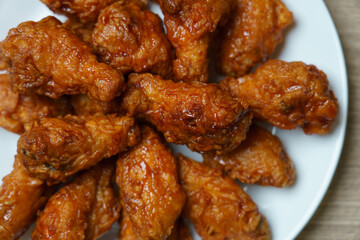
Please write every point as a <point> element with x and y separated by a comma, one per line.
<point>190,25</point>
<point>179,232</point>
<point>201,115</point>
<point>80,29</point>
<point>54,149</point>
<point>85,10</point>
<point>21,196</point>
<point>47,59</point>
<point>251,35</point>
<point>18,111</point>
<point>149,187</point>
<point>259,159</point>
<point>288,95</point>
<point>217,206</point>
<point>83,105</point>
<point>83,209</point>
<point>126,228</point>
<point>133,40</point>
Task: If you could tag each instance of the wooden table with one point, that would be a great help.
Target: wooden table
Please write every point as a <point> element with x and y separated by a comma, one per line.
<point>338,216</point>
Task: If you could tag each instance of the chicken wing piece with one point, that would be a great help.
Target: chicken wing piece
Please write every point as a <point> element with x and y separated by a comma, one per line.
<point>133,40</point>
<point>83,209</point>
<point>179,232</point>
<point>3,64</point>
<point>21,196</point>
<point>80,29</point>
<point>217,206</point>
<point>190,25</point>
<point>251,35</point>
<point>259,159</point>
<point>288,95</point>
<point>126,227</point>
<point>83,105</point>
<point>149,187</point>
<point>18,111</point>
<point>47,59</point>
<point>202,116</point>
<point>85,10</point>
<point>54,149</point>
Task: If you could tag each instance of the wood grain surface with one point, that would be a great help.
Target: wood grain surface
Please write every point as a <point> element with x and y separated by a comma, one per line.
<point>338,216</point>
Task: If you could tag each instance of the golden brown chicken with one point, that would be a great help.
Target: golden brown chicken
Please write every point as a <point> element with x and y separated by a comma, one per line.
<point>47,59</point>
<point>83,209</point>
<point>85,10</point>
<point>202,116</point>
<point>54,149</point>
<point>21,196</point>
<point>133,40</point>
<point>80,29</point>
<point>83,105</point>
<point>217,206</point>
<point>251,35</point>
<point>126,229</point>
<point>190,25</point>
<point>259,159</point>
<point>179,232</point>
<point>18,111</point>
<point>149,186</point>
<point>288,95</point>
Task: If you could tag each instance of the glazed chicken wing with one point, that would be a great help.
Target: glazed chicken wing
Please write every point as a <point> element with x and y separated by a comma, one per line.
<point>179,232</point>
<point>47,59</point>
<point>83,209</point>
<point>18,111</point>
<point>54,149</point>
<point>217,206</point>
<point>85,10</point>
<point>288,95</point>
<point>21,196</point>
<point>201,116</point>
<point>149,187</point>
<point>133,40</point>
<point>80,29</point>
<point>83,105</point>
<point>251,35</point>
<point>190,25</point>
<point>259,159</point>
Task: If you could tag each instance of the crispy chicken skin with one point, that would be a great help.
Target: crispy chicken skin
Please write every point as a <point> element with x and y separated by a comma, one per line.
<point>133,40</point>
<point>179,232</point>
<point>56,148</point>
<point>21,196</point>
<point>288,95</point>
<point>201,115</point>
<point>47,59</point>
<point>83,209</point>
<point>217,206</point>
<point>80,29</point>
<point>18,111</point>
<point>259,159</point>
<point>190,25</point>
<point>149,186</point>
<point>126,230</point>
<point>83,105</point>
<point>85,10</point>
<point>251,35</point>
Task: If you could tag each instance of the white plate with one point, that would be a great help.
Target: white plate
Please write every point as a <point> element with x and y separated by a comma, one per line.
<point>312,39</point>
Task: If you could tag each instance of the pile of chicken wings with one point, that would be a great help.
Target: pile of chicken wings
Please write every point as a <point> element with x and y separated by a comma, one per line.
<point>96,100</point>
